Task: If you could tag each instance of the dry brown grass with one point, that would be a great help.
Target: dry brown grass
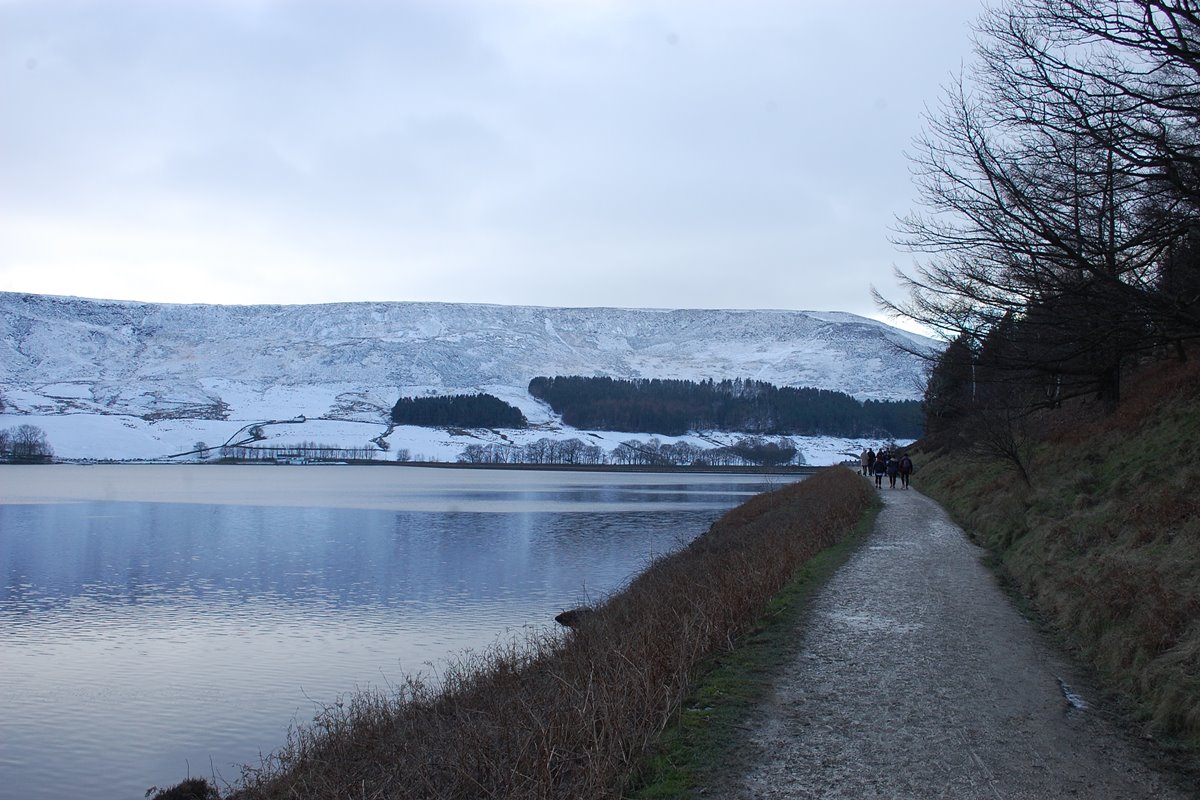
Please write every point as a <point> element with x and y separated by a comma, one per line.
<point>568,715</point>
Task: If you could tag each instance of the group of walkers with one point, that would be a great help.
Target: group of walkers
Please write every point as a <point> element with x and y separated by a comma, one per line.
<point>886,463</point>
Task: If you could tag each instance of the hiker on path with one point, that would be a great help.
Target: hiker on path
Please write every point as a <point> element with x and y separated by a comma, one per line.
<point>880,471</point>
<point>906,468</point>
<point>865,462</point>
<point>893,470</point>
<point>870,462</point>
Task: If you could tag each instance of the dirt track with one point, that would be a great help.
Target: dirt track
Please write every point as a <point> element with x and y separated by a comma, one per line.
<point>916,678</point>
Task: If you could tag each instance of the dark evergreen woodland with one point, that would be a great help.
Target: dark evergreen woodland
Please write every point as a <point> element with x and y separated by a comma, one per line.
<point>674,407</point>
<point>460,411</point>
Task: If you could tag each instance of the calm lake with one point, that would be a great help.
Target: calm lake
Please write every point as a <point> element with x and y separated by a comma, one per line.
<point>157,621</point>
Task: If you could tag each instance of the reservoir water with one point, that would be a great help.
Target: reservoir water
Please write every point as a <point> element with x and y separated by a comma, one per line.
<point>161,621</point>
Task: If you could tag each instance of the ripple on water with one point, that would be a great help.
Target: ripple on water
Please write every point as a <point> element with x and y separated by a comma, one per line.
<point>146,641</point>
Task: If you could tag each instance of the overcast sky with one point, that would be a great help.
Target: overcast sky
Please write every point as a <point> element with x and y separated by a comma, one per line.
<point>634,153</point>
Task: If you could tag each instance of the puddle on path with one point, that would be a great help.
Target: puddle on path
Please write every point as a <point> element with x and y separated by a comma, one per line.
<point>873,622</point>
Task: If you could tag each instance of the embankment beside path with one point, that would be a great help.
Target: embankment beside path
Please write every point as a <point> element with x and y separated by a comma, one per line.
<point>1104,542</point>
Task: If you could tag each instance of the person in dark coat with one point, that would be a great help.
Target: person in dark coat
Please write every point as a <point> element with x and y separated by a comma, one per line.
<point>906,468</point>
<point>893,471</point>
<point>880,470</point>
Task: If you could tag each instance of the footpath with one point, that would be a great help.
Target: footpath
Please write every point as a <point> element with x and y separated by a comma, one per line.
<point>916,678</point>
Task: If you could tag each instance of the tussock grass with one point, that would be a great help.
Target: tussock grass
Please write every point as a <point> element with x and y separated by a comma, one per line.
<point>571,714</point>
<point>1106,544</point>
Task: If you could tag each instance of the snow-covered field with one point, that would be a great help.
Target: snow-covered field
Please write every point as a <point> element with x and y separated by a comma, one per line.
<point>85,437</point>
<point>142,381</point>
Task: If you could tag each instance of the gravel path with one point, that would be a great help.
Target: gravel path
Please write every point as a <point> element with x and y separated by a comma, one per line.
<point>916,678</point>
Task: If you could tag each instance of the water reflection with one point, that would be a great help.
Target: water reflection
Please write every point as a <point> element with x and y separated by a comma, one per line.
<point>138,638</point>
<point>214,559</point>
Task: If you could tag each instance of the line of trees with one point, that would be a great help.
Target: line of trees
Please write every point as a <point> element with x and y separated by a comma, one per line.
<point>460,411</point>
<point>1059,230</point>
<point>675,407</point>
<point>308,450</point>
<point>748,451</point>
<point>25,444</point>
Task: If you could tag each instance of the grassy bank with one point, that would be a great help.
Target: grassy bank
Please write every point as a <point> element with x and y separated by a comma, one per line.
<point>1105,543</point>
<point>573,714</point>
<point>733,682</point>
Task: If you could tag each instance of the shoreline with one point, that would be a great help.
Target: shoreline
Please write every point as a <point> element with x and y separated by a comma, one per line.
<point>799,469</point>
<point>525,719</point>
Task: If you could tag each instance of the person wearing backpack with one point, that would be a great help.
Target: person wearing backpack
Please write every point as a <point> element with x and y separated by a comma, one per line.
<point>880,468</point>
<point>906,468</point>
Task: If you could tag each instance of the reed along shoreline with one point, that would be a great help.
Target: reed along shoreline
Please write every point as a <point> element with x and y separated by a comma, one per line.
<point>565,713</point>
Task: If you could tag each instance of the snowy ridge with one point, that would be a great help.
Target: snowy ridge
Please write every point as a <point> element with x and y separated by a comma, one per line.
<point>167,365</point>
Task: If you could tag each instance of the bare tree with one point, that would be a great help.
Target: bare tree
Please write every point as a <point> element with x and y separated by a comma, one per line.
<point>1057,179</point>
<point>28,443</point>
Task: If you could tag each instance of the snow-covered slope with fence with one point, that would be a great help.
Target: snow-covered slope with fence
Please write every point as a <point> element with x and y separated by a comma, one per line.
<point>115,379</point>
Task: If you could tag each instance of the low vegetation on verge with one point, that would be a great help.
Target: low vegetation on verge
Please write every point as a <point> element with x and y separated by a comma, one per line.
<point>1104,537</point>
<point>571,714</point>
<point>733,682</point>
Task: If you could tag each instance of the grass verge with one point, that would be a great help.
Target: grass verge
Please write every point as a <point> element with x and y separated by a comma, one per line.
<point>733,683</point>
<point>1105,543</point>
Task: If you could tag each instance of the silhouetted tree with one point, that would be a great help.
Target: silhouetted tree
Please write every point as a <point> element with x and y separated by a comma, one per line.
<point>28,444</point>
<point>950,390</point>
<point>1060,193</point>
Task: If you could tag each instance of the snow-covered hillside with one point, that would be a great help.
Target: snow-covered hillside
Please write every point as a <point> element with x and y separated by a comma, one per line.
<point>125,372</point>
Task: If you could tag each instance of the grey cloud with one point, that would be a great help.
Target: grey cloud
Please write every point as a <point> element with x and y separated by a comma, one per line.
<point>665,139</point>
